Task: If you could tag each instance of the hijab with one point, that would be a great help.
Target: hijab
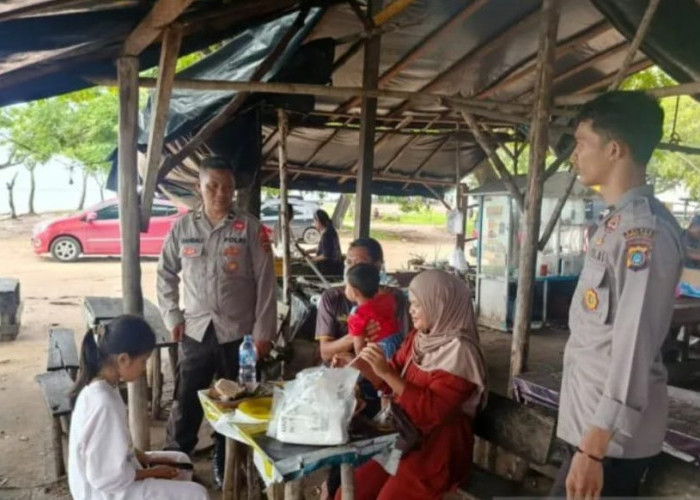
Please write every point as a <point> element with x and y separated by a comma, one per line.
<point>452,344</point>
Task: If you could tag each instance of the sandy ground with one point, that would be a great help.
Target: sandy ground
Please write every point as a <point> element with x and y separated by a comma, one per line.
<point>52,294</point>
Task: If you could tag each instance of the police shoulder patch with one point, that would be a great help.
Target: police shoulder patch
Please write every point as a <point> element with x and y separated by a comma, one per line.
<point>638,256</point>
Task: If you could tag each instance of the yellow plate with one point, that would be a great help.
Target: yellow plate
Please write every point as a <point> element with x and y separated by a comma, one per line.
<point>258,408</point>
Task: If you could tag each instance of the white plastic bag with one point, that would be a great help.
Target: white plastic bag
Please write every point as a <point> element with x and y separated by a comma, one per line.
<point>455,222</point>
<point>315,408</point>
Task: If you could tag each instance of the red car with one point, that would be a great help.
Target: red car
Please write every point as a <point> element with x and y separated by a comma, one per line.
<point>96,232</point>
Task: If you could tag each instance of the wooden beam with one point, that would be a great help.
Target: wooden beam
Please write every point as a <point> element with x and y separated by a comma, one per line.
<point>558,162</point>
<point>681,89</point>
<point>226,113</point>
<point>539,142</point>
<point>384,139</point>
<point>370,76</point>
<point>603,82</point>
<point>554,218</point>
<point>430,156</point>
<point>504,37</point>
<point>130,225</point>
<point>340,174</point>
<point>564,48</point>
<point>636,43</point>
<point>494,160</point>
<point>159,118</point>
<point>323,144</point>
<point>408,143</point>
<point>422,47</point>
<point>497,110</point>
<point>161,15</point>
<point>441,199</point>
<point>366,21</point>
<point>283,127</point>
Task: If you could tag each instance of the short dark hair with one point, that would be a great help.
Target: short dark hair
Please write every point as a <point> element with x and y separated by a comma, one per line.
<point>373,247</point>
<point>632,117</point>
<point>215,163</point>
<point>364,278</point>
<point>323,217</point>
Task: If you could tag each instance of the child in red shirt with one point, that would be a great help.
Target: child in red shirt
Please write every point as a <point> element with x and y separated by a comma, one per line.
<point>362,287</point>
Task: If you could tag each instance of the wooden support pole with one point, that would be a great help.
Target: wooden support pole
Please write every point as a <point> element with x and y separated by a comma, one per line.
<point>539,138</point>
<point>130,225</point>
<point>283,126</point>
<point>292,490</point>
<point>370,76</point>
<point>494,160</point>
<point>460,196</point>
<point>229,110</point>
<point>159,118</point>
<point>161,15</point>
<point>636,43</point>
<point>552,223</point>
<point>347,481</point>
<point>156,383</point>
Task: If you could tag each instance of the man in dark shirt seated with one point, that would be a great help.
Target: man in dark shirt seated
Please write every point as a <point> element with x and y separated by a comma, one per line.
<point>333,308</point>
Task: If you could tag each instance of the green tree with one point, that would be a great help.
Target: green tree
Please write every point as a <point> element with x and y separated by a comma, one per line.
<point>681,125</point>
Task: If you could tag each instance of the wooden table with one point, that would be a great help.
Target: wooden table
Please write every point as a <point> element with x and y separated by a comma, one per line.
<point>280,463</point>
<point>100,310</point>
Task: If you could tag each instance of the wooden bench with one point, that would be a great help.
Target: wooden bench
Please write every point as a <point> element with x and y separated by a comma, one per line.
<point>10,309</point>
<point>56,387</point>
<point>101,310</point>
<point>63,353</point>
<point>527,433</point>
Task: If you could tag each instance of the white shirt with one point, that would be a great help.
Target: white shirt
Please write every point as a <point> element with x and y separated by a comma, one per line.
<point>101,461</point>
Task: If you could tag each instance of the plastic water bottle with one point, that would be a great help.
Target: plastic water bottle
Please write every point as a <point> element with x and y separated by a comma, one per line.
<point>247,357</point>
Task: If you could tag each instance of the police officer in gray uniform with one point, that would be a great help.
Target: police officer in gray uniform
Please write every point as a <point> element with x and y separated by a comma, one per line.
<point>229,291</point>
<point>613,405</point>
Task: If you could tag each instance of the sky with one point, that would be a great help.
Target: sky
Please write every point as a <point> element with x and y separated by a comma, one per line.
<point>53,189</point>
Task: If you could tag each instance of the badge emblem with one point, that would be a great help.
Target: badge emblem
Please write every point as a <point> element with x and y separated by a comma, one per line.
<point>590,299</point>
<point>239,225</point>
<point>233,266</point>
<point>189,251</point>
<point>231,251</point>
<point>637,257</point>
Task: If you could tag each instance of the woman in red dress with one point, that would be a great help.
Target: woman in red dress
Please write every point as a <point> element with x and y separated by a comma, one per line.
<point>438,377</point>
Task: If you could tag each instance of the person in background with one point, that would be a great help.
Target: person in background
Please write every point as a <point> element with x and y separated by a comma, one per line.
<point>225,260</point>
<point>438,379</point>
<point>328,258</point>
<point>362,288</point>
<point>613,402</point>
<point>691,244</point>
<point>102,462</point>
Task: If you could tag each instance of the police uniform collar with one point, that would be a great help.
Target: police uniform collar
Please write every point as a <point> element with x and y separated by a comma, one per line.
<point>644,191</point>
<point>198,214</point>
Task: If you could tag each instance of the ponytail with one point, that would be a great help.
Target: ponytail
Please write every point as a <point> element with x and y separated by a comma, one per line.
<point>90,361</point>
<point>125,334</point>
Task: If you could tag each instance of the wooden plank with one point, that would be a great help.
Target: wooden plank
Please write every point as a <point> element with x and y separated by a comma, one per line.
<point>161,15</point>
<point>636,43</point>
<point>518,429</point>
<point>56,387</point>
<point>283,127</point>
<point>539,142</point>
<point>292,490</point>
<point>159,118</point>
<point>130,226</point>
<point>494,160</point>
<point>365,170</point>
<point>63,352</point>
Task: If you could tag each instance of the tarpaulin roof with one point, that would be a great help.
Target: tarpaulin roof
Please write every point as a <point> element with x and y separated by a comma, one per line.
<point>480,48</point>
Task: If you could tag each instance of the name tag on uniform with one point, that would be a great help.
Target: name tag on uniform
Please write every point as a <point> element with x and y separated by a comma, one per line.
<point>235,239</point>
<point>190,251</point>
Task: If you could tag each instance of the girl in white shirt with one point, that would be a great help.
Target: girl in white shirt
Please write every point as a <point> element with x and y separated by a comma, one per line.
<point>102,462</point>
